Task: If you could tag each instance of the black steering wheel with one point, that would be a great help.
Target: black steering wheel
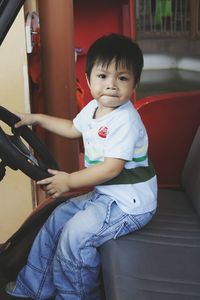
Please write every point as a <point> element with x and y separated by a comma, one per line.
<point>15,152</point>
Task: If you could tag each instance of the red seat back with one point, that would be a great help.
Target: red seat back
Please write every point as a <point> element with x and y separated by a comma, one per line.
<point>171,121</point>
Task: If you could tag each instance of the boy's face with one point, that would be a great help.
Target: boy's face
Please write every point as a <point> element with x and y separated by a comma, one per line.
<point>111,87</point>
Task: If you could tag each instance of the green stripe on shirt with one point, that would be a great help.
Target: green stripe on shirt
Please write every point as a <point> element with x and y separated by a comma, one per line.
<point>93,162</point>
<point>132,176</point>
<point>90,161</point>
<point>139,159</point>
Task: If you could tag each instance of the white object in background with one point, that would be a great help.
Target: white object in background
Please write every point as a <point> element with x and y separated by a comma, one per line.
<point>159,61</point>
<point>32,23</point>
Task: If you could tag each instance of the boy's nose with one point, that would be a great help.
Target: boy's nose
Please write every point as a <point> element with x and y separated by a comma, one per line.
<point>111,85</point>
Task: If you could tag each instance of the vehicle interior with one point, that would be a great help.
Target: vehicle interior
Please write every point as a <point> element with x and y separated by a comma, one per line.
<point>160,261</point>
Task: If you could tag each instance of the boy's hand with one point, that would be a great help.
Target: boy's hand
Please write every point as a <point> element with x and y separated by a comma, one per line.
<point>57,184</point>
<point>25,119</point>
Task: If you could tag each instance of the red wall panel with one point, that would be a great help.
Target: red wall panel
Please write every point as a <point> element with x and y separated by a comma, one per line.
<point>93,19</point>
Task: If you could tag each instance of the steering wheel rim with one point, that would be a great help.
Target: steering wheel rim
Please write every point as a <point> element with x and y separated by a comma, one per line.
<point>15,154</point>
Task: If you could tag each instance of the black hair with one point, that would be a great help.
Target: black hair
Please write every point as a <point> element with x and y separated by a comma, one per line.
<point>118,47</point>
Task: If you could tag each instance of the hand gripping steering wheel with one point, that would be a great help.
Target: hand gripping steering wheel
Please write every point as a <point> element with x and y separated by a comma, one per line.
<point>15,153</point>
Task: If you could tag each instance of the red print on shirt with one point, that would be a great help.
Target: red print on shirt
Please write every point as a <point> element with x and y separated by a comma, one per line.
<point>103,131</point>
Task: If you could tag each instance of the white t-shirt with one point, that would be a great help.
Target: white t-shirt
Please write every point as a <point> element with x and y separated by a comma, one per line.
<point>120,134</point>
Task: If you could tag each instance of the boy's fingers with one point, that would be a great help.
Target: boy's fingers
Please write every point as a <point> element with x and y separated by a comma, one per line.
<point>48,179</point>
<point>53,172</point>
<point>18,124</point>
<point>44,181</point>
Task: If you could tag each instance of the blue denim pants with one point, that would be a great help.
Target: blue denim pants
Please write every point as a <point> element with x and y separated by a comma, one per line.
<point>64,262</point>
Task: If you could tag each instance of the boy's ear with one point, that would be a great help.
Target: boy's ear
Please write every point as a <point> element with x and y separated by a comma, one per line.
<point>87,79</point>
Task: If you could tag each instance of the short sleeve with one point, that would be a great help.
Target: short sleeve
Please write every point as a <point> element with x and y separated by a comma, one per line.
<point>77,122</point>
<point>84,115</point>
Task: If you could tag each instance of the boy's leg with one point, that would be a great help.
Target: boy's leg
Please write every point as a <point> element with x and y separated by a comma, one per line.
<point>77,262</point>
<point>35,279</point>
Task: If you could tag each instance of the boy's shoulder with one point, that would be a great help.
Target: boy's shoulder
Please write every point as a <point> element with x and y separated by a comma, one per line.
<point>128,114</point>
<point>128,109</point>
<point>90,105</point>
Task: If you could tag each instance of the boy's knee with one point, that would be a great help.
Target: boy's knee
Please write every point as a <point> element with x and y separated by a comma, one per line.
<point>73,238</point>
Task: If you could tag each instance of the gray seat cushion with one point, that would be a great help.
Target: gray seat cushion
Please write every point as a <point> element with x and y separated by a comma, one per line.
<point>161,261</point>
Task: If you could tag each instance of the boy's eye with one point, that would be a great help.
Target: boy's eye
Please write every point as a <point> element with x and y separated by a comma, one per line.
<point>101,76</point>
<point>123,78</point>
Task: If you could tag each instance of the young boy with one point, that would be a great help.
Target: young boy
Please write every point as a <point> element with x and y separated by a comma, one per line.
<point>64,261</point>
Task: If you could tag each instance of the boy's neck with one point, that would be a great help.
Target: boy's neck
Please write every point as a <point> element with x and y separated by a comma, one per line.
<point>102,111</point>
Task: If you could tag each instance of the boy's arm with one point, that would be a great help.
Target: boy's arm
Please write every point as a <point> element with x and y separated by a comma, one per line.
<point>95,175</point>
<point>63,182</point>
<point>58,126</point>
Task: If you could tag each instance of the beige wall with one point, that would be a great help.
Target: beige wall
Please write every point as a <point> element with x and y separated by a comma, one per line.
<point>30,5</point>
<point>15,188</point>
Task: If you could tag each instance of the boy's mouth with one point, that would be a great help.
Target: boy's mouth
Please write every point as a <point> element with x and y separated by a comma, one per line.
<point>111,95</point>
